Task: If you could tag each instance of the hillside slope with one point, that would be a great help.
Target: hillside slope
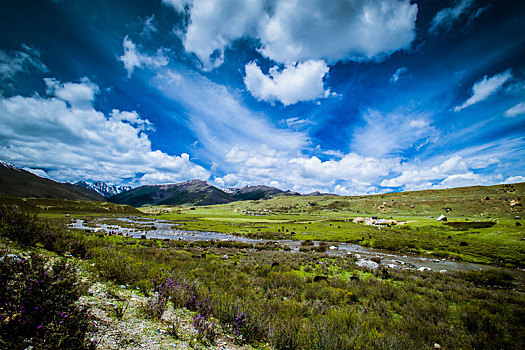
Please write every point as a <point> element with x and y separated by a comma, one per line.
<point>20,183</point>
<point>194,192</point>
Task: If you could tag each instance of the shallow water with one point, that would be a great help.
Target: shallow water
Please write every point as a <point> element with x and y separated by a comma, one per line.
<point>164,230</point>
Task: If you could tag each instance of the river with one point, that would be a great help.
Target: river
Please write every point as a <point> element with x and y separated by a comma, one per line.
<point>365,256</point>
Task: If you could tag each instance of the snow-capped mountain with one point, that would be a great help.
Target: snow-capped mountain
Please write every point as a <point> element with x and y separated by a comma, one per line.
<point>103,188</point>
<point>9,165</point>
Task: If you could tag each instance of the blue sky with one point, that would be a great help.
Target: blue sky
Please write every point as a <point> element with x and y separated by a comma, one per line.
<point>347,96</point>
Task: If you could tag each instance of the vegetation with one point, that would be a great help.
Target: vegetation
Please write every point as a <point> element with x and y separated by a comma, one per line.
<point>301,300</point>
<point>495,239</point>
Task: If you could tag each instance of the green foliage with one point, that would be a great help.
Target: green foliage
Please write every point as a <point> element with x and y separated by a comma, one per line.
<point>19,226</point>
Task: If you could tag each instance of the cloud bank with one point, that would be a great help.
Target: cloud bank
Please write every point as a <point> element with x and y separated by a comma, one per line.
<point>292,31</point>
<point>65,136</point>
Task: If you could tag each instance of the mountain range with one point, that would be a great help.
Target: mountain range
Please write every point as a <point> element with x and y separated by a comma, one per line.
<point>103,188</point>
<point>21,183</point>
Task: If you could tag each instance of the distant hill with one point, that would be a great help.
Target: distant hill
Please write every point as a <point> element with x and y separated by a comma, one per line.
<point>255,193</point>
<point>194,192</point>
<point>21,183</point>
<point>317,193</point>
<point>103,188</point>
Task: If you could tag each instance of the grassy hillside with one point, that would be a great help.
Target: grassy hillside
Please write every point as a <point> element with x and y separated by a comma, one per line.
<point>20,183</point>
<point>329,218</point>
<point>61,206</point>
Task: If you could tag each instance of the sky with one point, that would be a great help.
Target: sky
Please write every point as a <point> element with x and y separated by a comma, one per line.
<point>343,96</point>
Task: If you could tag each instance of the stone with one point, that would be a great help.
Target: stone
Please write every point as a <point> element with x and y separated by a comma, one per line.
<point>367,263</point>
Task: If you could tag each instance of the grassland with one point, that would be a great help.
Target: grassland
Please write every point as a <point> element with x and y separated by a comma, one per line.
<point>329,218</point>
<point>267,298</point>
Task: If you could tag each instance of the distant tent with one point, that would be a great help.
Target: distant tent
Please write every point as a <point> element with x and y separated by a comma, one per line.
<point>441,218</point>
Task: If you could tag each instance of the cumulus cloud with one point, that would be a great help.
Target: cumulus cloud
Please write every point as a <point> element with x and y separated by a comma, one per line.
<point>518,109</point>
<point>292,31</point>
<point>132,58</point>
<point>295,83</point>
<point>25,61</point>
<point>452,172</point>
<point>351,174</point>
<point>484,88</point>
<point>207,35</point>
<point>77,95</point>
<point>336,30</point>
<point>514,179</point>
<point>397,75</point>
<point>75,142</point>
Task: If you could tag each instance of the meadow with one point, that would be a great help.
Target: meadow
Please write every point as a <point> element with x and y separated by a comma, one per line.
<point>264,296</point>
<point>330,218</point>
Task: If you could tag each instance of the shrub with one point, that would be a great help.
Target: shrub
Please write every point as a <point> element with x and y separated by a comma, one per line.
<point>18,226</point>
<point>37,305</point>
<point>206,329</point>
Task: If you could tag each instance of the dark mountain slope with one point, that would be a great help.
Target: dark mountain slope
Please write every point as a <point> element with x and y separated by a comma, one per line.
<point>20,183</point>
<point>195,192</point>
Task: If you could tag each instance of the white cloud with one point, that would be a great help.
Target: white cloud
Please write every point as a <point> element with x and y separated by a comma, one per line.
<point>133,118</point>
<point>77,142</point>
<point>25,61</point>
<point>37,172</point>
<point>292,31</point>
<point>397,75</point>
<point>484,88</point>
<point>78,95</point>
<point>452,172</point>
<point>214,25</point>
<point>132,58</point>
<point>446,17</point>
<point>336,30</point>
<point>295,83</point>
<point>350,174</point>
<point>518,109</point>
<point>220,120</point>
<point>514,179</point>
<point>392,133</point>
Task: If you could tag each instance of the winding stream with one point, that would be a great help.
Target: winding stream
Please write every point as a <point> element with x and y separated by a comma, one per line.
<point>164,230</point>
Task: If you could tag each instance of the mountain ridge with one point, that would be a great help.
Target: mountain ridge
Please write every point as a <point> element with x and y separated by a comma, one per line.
<point>17,182</point>
<point>103,188</point>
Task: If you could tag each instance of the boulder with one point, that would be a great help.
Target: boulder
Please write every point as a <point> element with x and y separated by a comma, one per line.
<point>367,263</point>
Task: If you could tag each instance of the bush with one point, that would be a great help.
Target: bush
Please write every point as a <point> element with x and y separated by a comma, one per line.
<point>206,329</point>
<point>37,305</point>
<point>19,226</point>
